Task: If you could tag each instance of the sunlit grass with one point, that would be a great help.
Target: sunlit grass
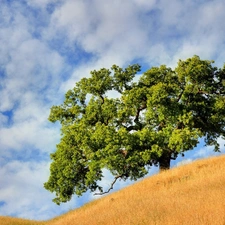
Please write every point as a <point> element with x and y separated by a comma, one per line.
<point>6,220</point>
<point>190,194</point>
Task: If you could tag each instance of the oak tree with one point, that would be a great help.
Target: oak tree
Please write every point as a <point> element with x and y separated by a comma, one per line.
<point>109,121</point>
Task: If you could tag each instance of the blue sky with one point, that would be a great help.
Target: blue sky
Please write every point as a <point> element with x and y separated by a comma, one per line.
<point>48,45</point>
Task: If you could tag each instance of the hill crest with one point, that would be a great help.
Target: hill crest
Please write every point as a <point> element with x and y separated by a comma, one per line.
<point>188,194</point>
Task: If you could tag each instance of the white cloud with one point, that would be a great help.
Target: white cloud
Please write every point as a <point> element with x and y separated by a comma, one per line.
<point>27,136</point>
<point>73,19</point>
<point>145,4</point>
<point>208,151</point>
<point>184,162</point>
<point>3,119</point>
<point>32,63</point>
<point>27,62</point>
<point>205,32</point>
<point>23,193</point>
<point>41,3</point>
<point>29,127</point>
<point>29,86</point>
<point>101,27</point>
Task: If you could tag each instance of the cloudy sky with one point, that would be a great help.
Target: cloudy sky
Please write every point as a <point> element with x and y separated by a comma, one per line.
<point>48,45</point>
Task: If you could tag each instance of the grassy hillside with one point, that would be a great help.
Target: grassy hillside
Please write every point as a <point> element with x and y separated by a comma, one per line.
<point>193,194</point>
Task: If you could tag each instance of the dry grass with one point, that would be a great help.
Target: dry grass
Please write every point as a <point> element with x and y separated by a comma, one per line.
<point>6,220</point>
<point>193,194</point>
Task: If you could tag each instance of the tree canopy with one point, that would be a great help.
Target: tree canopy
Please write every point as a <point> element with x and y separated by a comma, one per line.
<point>109,121</point>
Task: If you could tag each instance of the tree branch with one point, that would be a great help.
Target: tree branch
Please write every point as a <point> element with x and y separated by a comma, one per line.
<point>138,112</point>
<point>111,187</point>
<point>103,100</point>
<point>179,97</point>
<point>130,128</point>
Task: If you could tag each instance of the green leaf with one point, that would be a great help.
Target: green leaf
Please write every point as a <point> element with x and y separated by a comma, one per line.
<point>152,121</point>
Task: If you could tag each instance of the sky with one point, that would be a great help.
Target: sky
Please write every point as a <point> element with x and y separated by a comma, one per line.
<point>48,45</point>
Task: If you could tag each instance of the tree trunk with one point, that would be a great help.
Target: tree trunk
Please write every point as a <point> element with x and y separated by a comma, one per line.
<point>164,161</point>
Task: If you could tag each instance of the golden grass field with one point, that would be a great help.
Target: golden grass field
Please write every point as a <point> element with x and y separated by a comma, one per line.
<point>192,194</point>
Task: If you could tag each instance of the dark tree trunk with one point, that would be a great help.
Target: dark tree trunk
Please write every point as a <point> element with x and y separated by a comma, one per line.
<point>164,161</point>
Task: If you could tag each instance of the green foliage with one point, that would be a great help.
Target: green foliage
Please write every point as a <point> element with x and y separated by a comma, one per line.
<point>150,122</point>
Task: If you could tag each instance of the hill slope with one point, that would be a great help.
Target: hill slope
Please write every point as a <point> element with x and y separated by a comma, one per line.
<point>190,194</point>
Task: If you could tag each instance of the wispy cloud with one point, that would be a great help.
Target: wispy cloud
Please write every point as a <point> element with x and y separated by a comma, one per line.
<point>21,190</point>
<point>207,151</point>
<point>48,45</point>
